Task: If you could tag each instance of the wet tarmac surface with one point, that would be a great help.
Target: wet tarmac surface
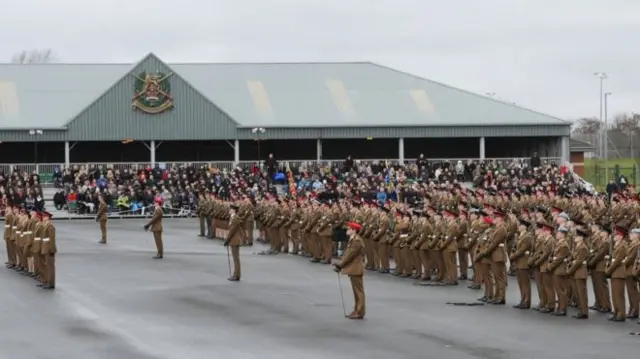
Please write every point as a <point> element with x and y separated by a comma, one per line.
<point>114,301</point>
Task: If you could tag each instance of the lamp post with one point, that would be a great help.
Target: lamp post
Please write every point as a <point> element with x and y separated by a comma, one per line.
<point>602,76</point>
<point>34,134</point>
<point>606,137</point>
<point>258,131</point>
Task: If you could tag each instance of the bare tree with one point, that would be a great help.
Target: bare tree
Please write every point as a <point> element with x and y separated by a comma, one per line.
<point>588,129</point>
<point>34,57</point>
<point>587,126</point>
<point>627,123</point>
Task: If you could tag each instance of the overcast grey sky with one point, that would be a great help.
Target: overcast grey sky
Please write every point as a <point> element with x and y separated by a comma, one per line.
<point>539,54</point>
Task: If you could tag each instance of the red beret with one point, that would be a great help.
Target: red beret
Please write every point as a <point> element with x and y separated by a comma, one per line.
<point>556,210</point>
<point>545,227</point>
<point>499,214</point>
<point>621,231</point>
<point>354,226</point>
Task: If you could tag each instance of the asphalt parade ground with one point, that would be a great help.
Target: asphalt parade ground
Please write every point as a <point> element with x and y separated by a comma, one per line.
<point>115,301</point>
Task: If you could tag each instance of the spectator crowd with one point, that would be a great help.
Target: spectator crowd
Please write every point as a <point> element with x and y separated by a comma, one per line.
<point>133,190</point>
<point>21,188</point>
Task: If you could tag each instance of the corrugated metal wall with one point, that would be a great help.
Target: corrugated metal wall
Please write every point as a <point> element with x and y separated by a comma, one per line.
<point>314,133</point>
<point>22,135</point>
<point>112,116</point>
<point>409,132</point>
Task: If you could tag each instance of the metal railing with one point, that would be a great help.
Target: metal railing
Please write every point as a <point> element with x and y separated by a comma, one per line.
<point>48,168</point>
<point>147,211</point>
<point>143,212</point>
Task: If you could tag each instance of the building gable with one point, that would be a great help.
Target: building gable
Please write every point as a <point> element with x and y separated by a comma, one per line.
<point>151,102</point>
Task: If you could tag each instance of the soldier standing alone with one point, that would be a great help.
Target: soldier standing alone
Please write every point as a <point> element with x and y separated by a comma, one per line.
<point>235,237</point>
<point>155,226</point>
<point>8,220</point>
<point>352,265</point>
<point>202,215</point>
<point>102,218</point>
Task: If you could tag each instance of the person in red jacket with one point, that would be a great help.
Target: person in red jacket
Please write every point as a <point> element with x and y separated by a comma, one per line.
<point>564,169</point>
<point>72,197</point>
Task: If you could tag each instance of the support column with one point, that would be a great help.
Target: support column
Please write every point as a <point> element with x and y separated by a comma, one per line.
<point>401,150</point>
<point>565,150</point>
<point>318,150</point>
<point>482,156</point>
<point>236,152</point>
<point>152,150</point>
<point>67,154</point>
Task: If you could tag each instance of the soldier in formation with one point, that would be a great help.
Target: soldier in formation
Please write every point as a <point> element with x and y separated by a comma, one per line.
<point>31,245</point>
<point>559,241</point>
<point>233,221</point>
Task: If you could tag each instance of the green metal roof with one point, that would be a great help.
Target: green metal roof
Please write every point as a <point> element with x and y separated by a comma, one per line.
<point>48,96</point>
<point>581,146</point>
<point>270,95</point>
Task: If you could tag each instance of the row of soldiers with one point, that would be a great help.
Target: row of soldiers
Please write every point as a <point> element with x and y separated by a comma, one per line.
<point>558,240</point>
<point>230,221</point>
<point>214,215</point>
<point>30,239</point>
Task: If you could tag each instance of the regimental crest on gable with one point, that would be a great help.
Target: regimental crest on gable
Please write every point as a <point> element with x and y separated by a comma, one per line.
<point>152,92</point>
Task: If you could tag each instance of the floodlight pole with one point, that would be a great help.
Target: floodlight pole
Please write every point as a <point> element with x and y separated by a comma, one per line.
<point>258,131</point>
<point>34,134</point>
<point>602,76</point>
<point>603,131</point>
<point>606,138</point>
